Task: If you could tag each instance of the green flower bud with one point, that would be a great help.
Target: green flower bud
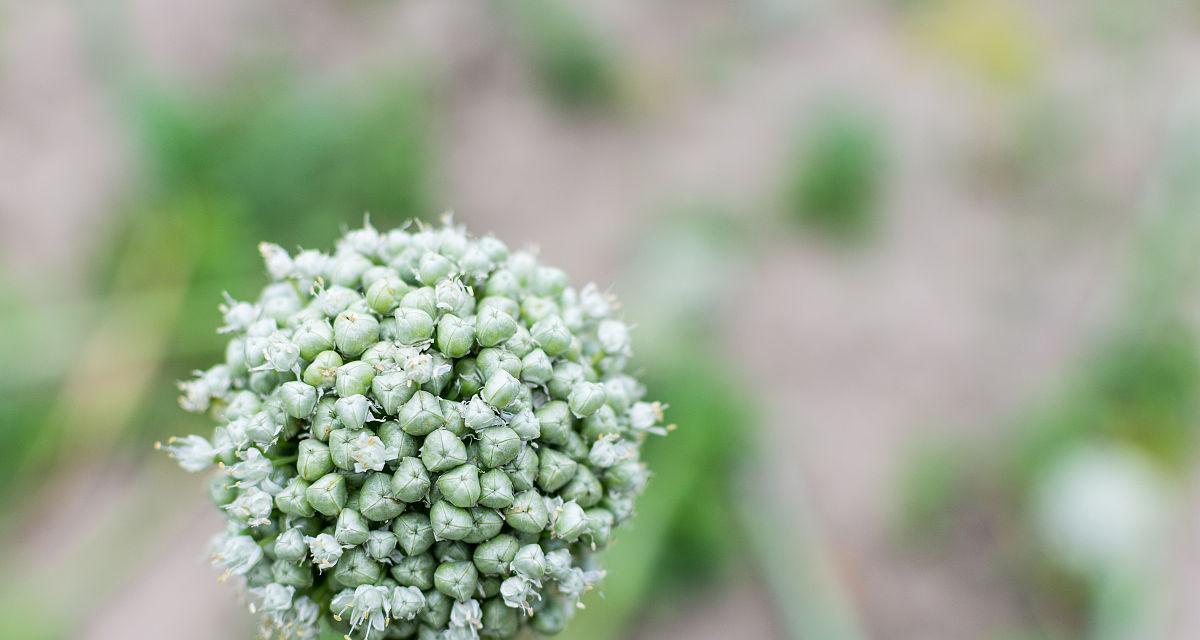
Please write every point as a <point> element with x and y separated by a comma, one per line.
<point>385,293</point>
<point>495,489</point>
<point>433,267</point>
<point>442,450</point>
<point>528,513</point>
<point>478,415</point>
<point>354,378</point>
<point>422,414</point>
<point>443,372</point>
<point>536,367</point>
<point>499,620</point>
<point>456,579</point>
<point>413,326</point>
<point>549,282</point>
<point>298,399</point>
<point>292,574</point>
<point>551,617</point>
<point>437,610</point>
<point>529,562</point>
<point>551,335</point>
<point>357,568</point>
<point>494,359</point>
<point>570,523</point>
<point>380,544</point>
<point>600,424</point>
<point>493,327</point>
<point>600,525</point>
<point>353,332</point>
<point>415,571</point>
<point>339,448</point>
<point>535,308</point>
<point>583,488</point>
<point>507,306</point>
<point>313,460</point>
<point>413,532</point>
<point>503,283</point>
<point>493,557</point>
<point>627,475</point>
<point>467,378</point>
<point>451,551</point>
<point>328,494</point>
<point>450,522</point>
<point>323,371</point>
<point>423,299</point>
<point>523,470</point>
<point>489,587</point>
<point>411,481</point>
<point>460,485</point>
<point>353,411</point>
<point>263,382</point>
<point>290,545</point>
<point>498,446</point>
<point>313,337</point>
<point>394,437</point>
<point>292,500</point>
<point>221,490</point>
<point>501,389</point>
<point>488,523</point>
<point>352,529</point>
<point>452,297</point>
<point>586,398</point>
<point>375,499</point>
<point>554,422</point>
<point>526,425</point>
<point>347,269</point>
<point>555,470</point>
<point>324,419</point>
<point>391,390</point>
<point>454,418</point>
<point>377,273</point>
<point>455,336</point>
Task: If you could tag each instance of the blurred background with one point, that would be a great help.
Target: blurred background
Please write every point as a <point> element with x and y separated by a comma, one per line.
<point>918,278</point>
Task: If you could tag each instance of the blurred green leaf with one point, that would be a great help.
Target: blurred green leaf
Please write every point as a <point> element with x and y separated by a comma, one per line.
<point>570,60</point>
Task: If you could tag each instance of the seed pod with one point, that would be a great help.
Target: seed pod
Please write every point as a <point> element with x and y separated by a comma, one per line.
<point>353,411</point>
<point>493,327</point>
<point>414,571</point>
<point>554,422</point>
<point>442,450</point>
<point>586,398</point>
<point>391,390</point>
<point>414,533</point>
<point>394,437</point>
<point>551,335</point>
<point>381,544</point>
<point>299,399</point>
<point>422,414</point>
<point>411,481</point>
<point>493,557</point>
<point>492,360</point>
<point>528,513</point>
<point>449,522</point>
<point>455,336</point>
<point>499,620</point>
<point>452,297</point>
<point>328,494</point>
<point>322,372</point>
<point>352,530</point>
<point>290,545</point>
<point>487,524</point>
<point>353,378</point>
<point>498,446</point>
<point>456,579</point>
<point>375,501</point>
<point>501,389</point>
<point>554,470</point>
<point>357,568</point>
<point>384,294</point>
<point>495,489</point>
<point>460,485</point>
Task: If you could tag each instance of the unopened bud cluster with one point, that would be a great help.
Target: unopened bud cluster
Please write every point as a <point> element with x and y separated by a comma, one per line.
<point>421,435</point>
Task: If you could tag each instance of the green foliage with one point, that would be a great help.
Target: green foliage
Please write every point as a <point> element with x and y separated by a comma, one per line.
<point>836,178</point>
<point>570,59</point>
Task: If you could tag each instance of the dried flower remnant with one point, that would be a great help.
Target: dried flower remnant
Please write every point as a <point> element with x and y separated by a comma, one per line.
<point>421,434</point>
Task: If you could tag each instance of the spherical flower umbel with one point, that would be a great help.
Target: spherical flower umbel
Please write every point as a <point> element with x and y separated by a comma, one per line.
<point>421,434</point>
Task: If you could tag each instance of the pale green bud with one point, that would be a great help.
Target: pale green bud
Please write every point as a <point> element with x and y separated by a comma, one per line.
<point>411,481</point>
<point>385,293</point>
<point>292,500</point>
<point>529,562</point>
<point>455,336</point>
<point>504,283</point>
<point>523,470</point>
<point>493,557</point>
<point>528,513</point>
<point>499,620</point>
<point>456,579</point>
<point>352,529</point>
<point>290,545</point>
<point>324,418</point>
<point>375,499</point>
<point>292,574</point>
<point>570,523</point>
<point>586,398</point>
<point>413,325</point>
<point>526,425</point>
<point>322,372</point>
<point>394,437</point>
<point>437,611</point>
<point>413,532</point>
<point>493,327</point>
<point>313,337</point>
<point>554,422</point>
<point>433,267</point>
<point>353,332</point>
<point>391,390</point>
<point>493,359</point>
<point>442,450</point>
<point>467,378</point>
<point>298,398</point>
<point>328,494</point>
<point>313,460</point>
<point>460,485</point>
<point>407,602</point>
<point>551,335</point>
<point>423,299</point>
<point>487,524</point>
<point>554,469</point>
<point>454,418</point>
<point>536,367</point>
<point>495,489</point>
<point>357,568</point>
<point>450,522</point>
<point>583,488</point>
<point>415,571</point>
<point>354,378</point>
<point>422,414</point>
<point>498,446</point>
<point>501,389</point>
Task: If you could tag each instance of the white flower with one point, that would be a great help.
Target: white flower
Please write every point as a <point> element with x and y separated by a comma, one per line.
<point>643,416</point>
<point>369,452</point>
<point>275,598</point>
<point>281,354</point>
<point>593,303</point>
<point>238,554</point>
<point>325,550</point>
<point>196,395</point>
<point>252,470</point>
<point>193,453</point>
<point>279,263</point>
<point>466,619</point>
<point>252,506</point>
<point>369,604</point>
<point>259,428</point>
<point>238,315</point>
<point>613,336</point>
<point>610,450</point>
<point>516,592</point>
